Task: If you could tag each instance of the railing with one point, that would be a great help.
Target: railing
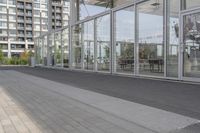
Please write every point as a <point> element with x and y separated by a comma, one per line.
<point>21,13</point>
<point>28,7</point>
<point>29,21</point>
<point>20,6</point>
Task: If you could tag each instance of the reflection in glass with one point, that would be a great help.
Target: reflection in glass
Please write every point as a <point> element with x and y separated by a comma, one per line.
<point>45,50</point>
<point>57,47</point>
<point>151,55</point>
<point>188,4</point>
<point>173,39</point>
<point>191,40</point>
<point>65,48</point>
<point>92,7</point>
<point>51,49</point>
<point>38,51</point>
<point>88,45</point>
<point>124,40</point>
<point>103,43</point>
<point>76,47</point>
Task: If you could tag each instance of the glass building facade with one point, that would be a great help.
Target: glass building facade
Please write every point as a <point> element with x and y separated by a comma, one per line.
<point>152,38</point>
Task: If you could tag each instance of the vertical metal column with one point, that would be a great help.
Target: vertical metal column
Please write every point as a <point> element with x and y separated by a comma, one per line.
<point>166,29</point>
<point>180,62</point>
<point>70,46</point>
<point>82,46</point>
<point>112,43</point>
<point>136,49</point>
<point>62,48</point>
<point>49,43</point>
<point>95,45</point>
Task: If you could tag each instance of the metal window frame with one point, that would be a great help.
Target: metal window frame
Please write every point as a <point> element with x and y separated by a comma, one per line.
<point>181,72</point>
<point>112,65</point>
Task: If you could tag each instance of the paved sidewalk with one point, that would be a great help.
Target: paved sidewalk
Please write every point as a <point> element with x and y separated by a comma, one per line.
<point>180,98</point>
<point>59,108</point>
<point>13,119</point>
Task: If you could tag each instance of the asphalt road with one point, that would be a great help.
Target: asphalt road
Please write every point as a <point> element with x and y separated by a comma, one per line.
<point>181,98</point>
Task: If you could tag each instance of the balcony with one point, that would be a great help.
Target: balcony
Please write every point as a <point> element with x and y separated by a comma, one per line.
<point>58,10</point>
<point>3,26</point>
<point>13,35</point>
<point>57,3</point>
<point>29,35</point>
<point>58,24</point>
<point>20,27</point>
<point>20,20</point>
<point>58,17</point>
<point>29,21</point>
<point>28,7</point>
<point>12,27</point>
<point>28,28</point>
<point>3,34</point>
<point>20,13</point>
<point>20,6</point>
<point>28,14</point>
<point>21,35</point>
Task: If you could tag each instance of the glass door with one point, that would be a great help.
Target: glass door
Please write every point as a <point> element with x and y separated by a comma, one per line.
<point>191,44</point>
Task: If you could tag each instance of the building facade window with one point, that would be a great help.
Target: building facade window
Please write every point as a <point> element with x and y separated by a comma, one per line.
<point>3,1</point>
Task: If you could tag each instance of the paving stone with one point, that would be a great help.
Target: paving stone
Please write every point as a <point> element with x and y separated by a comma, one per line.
<point>40,105</point>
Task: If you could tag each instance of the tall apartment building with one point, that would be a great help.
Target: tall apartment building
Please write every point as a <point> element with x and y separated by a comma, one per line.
<point>23,20</point>
<point>60,13</point>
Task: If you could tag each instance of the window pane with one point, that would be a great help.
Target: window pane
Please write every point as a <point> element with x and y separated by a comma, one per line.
<point>173,40</point>
<point>103,43</point>
<point>191,41</point>
<point>124,40</point>
<point>57,46</point>
<point>76,47</point>
<point>65,39</point>
<point>188,4</point>
<point>88,45</point>
<point>151,55</point>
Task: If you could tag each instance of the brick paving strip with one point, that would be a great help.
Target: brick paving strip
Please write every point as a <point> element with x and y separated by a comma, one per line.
<point>32,104</point>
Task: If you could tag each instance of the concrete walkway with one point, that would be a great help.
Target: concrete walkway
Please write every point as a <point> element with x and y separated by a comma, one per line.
<point>33,104</point>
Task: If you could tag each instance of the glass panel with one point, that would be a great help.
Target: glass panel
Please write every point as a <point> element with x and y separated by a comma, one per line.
<point>51,49</point>
<point>188,4</point>
<point>121,2</point>
<point>65,39</point>
<point>37,51</point>
<point>45,50</point>
<point>92,7</point>
<point>58,46</point>
<point>173,40</point>
<point>76,47</point>
<point>191,40</point>
<point>88,45</point>
<point>151,48</point>
<point>40,52</point>
<point>103,43</point>
<point>124,40</point>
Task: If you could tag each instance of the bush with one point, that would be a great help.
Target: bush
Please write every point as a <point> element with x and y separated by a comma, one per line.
<point>23,59</point>
<point>6,61</point>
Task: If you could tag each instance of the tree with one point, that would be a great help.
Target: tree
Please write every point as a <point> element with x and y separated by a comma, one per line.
<point>24,57</point>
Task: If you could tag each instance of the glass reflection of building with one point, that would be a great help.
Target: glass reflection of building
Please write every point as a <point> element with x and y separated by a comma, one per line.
<point>156,38</point>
